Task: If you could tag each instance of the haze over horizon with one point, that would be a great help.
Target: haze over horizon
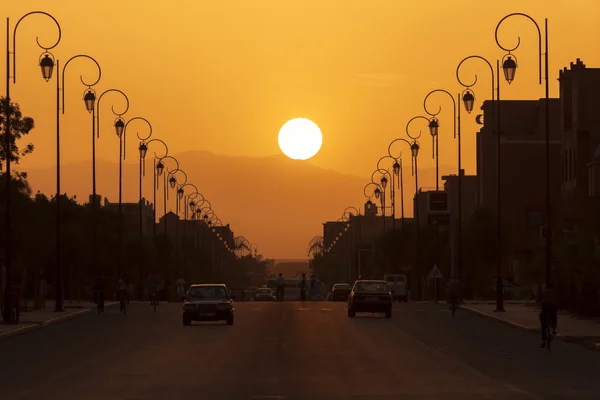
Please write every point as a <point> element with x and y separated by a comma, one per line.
<point>287,186</point>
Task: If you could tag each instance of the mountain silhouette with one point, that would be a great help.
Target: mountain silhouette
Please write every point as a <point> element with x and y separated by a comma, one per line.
<point>275,202</point>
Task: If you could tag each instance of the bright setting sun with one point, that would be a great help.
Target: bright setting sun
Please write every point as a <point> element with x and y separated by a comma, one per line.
<point>300,139</point>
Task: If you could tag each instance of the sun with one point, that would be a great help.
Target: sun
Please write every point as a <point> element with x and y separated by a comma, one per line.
<point>300,139</point>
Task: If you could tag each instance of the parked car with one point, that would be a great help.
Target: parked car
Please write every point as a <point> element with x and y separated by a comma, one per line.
<point>372,296</point>
<point>340,292</point>
<point>264,294</point>
<point>208,302</point>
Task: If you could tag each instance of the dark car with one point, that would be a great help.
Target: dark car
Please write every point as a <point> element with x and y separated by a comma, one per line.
<point>208,302</point>
<point>264,294</point>
<point>372,296</point>
<point>340,292</point>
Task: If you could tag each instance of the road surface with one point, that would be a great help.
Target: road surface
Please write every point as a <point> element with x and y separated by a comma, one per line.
<point>292,350</point>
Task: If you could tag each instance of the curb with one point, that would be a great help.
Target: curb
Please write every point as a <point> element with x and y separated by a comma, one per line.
<point>504,321</point>
<point>49,322</point>
<point>565,338</point>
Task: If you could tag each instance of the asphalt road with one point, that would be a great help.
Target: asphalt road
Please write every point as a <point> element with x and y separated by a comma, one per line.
<point>292,350</point>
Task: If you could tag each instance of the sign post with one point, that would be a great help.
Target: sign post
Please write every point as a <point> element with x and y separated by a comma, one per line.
<point>436,275</point>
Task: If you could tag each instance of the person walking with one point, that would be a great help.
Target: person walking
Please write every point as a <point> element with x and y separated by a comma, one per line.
<point>303,287</point>
<point>280,287</point>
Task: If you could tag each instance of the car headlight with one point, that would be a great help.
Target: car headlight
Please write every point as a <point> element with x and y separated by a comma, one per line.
<point>189,306</point>
<point>224,306</point>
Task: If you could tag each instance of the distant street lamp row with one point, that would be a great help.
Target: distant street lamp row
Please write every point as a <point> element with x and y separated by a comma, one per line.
<point>47,64</point>
<point>509,67</point>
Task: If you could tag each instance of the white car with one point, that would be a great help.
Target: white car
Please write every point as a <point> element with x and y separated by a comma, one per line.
<point>264,294</point>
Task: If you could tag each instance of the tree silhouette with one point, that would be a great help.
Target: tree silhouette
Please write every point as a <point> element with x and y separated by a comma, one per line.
<point>19,127</point>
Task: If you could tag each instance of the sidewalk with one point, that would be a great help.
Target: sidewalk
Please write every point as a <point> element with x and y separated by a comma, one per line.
<point>526,317</point>
<point>36,319</point>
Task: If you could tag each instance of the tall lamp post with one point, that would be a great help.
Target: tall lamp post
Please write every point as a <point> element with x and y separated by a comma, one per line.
<point>432,124</point>
<point>47,66</point>
<point>468,99</point>
<point>167,178</point>
<point>509,67</point>
<point>414,150</point>
<point>143,148</point>
<point>89,100</point>
<point>119,126</point>
<point>393,188</point>
<point>433,129</point>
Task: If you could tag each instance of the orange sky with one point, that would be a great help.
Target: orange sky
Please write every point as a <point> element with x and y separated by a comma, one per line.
<point>224,75</point>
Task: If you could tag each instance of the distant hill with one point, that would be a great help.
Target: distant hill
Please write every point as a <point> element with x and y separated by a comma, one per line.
<point>277,203</point>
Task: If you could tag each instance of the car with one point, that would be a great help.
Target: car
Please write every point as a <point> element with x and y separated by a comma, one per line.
<point>264,294</point>
<point>207,302</point>
<point>398,286</point>
<point>372,296</point>
<point>340,292</point>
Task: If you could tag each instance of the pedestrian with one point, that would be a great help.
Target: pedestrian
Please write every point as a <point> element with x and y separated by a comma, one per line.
<point>280,287</point>
<point>303,287</point>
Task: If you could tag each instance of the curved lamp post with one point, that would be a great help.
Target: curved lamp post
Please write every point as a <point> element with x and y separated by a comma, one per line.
<point>143,148</point>
<point>414,151</point>
<point>433,127</point>
<point>396,172</point>
<point>89,101</point>
<point>119,125</point>
<point>185,207</point>
<point>47,66</point>
<point>509,67</point>
<point>380,191</point>
<point>178,196</point>
<point>468,99</point>
<point>160,167</point>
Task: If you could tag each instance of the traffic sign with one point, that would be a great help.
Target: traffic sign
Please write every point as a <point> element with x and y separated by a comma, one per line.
<point>435,273</point>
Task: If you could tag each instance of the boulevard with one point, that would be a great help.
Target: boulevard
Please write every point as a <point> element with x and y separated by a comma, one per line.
<point>292,350</point>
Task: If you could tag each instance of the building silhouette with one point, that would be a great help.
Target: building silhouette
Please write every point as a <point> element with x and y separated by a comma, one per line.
<point>580,149</point>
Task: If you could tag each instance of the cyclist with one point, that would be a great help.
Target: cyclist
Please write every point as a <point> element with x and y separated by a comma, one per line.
<point>454,290</point>
<point>122,292</point>
<point>548,315</point>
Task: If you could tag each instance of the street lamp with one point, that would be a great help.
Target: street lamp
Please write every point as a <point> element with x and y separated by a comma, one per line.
<point>468,100</point>
<point>509,66</point>
<point>143,149</point>
<point>60,106</point>
<point>119,125</point>
<point>160,167</point>
<point>414,149</point>
<point>434,125</point>
<point>47,65</point>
